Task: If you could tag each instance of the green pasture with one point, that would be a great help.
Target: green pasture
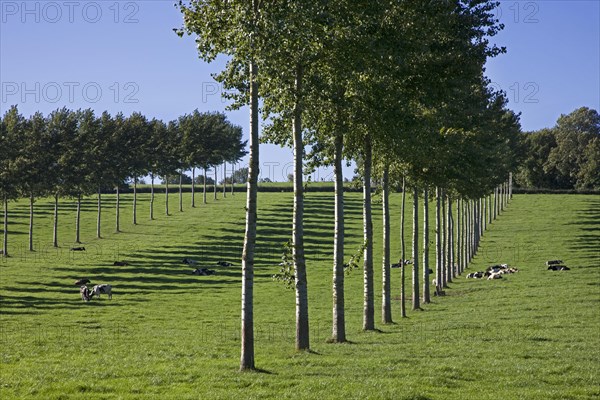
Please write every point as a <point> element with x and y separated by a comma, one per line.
<point>167,334</point>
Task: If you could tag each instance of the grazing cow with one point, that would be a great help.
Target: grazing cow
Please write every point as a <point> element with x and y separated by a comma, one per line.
<point>86,295</point>
<point>554,262</point>
<point>224,264</point>
<point>102,289</point>
<point>82,281</point>
<point>189,261</point>
<point>120,264</point>
<point>77,248</point>
<point>558,268</point>
<point>203,271</point>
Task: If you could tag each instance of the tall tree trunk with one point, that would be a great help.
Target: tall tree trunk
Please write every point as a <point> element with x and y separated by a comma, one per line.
<point>152,196</point>
<point>135,180</point>
<point>426,294</point>
<point>438,242</point>
<point>215,185</point>
<point>99,215</point>
<point>193,187</point>
<point>204,187</point>
<point>55,227</point>
<point>5,236</point>
<point>118,214</point>
<point>181,191</point>
<point>386,297</point>
<point>167,195</point>
<point>458,254</point>
<point>224,179</point>
<point>402,253</point>
<point>369,298</point>
<point>415,251</point>
<point>232,172</point>
<point>339,318</point>
<point>247,318</point>
<point>302,329</point>
<point>78,220</point>
<point>451,269</point>
<point>444,255</point>
<point>31,201</point>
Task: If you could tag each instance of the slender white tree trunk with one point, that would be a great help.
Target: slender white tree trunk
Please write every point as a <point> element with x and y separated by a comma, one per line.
<point>167,195</point>
<point>451,269</point>
<point>369,300</point>
<point>215,185</point>
<point>78,220</point>
<point>181,191</point>
<point>386,303</point>
<point>193,187</point>
<point>438,242</point>
<point>247,318</point>
<point>204,187</point>
<point>55,227</point>
<point>135,180</point>
<point>339,318</point>
<point>444,255</point>
<point>118,214</point>
<point>415,251</point>
<point>232,172</point>
<point>402,253</point>
<point>426,293</point>
<point>99,215</point>
<point>5,235</point>
<point>510,185</point>
<point>31,201</point>
<point>224,179</point>
<point>302,327</point>
<point>151,196</point>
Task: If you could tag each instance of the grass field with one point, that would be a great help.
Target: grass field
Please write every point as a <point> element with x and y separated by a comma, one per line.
<point>170,335</point>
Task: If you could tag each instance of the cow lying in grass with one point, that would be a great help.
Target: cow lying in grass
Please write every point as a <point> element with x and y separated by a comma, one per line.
<point>82,281</point>
<point>224,264</point>
<point>558,268</point>
<point>203,271</point>
<point>77,248</point>
<point>120,264</point>
<point>102,289</point>
<point>189,261</point>
<point>397,265</point>
<point>554,262</point>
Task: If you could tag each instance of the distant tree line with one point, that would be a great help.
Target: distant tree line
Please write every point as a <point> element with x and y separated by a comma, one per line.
<point>566,156</point>
<point>76,153</point>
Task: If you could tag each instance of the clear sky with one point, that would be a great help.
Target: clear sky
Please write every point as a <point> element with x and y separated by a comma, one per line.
<point>123,56</point>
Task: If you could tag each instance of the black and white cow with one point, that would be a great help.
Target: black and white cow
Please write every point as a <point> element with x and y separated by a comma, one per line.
<point>189,261</point>
<point>102,289</point>
<point>86,295</point>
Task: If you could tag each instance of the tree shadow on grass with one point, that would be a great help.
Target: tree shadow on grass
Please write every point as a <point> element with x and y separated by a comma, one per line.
<point>588,222</point>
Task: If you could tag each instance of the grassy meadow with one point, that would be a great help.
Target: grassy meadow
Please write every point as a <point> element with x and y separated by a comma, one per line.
<point>167,334</point>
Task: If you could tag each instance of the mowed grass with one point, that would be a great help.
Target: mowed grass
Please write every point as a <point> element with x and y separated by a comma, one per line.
<point>167,334</point>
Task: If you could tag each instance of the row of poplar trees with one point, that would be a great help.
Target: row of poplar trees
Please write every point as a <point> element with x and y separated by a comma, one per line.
<point>76,153</point>
<point>398,86</point>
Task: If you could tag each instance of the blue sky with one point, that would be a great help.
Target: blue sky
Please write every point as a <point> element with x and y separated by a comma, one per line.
<point>123,56</point>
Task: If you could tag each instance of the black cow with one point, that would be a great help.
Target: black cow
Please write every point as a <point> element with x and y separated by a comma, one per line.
<point>554,262</point>
<point>558,268</point>
<point>120,264</point>
<point>203,271</point>
<point>77,248</point>
<point>224,264</point>
<point>82,281</point>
